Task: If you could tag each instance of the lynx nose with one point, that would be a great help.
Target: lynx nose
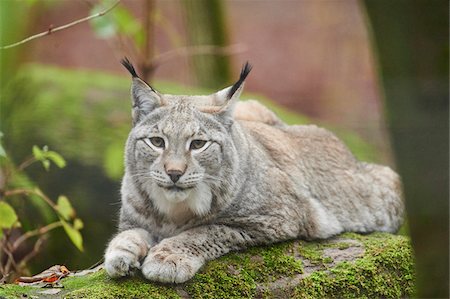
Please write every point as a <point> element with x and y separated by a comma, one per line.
<point>174,175</point>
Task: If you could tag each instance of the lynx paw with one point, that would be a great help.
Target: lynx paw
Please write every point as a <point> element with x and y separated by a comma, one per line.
<point>164,265</point>
<point>120,263</point>
<point>125,252</point>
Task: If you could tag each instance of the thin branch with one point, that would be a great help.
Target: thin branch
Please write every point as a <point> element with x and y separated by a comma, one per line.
<point>33,252</point>
<point>2,268</point>
<point>40,231</point>
<point>197,50</point>
<point>26,163</point>
<point>53,30</point>
<point>28,192</point>
<point>11,261</point>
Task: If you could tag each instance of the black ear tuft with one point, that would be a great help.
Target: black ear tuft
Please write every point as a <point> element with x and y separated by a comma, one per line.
<point>244,73</point>
<point>129,66</point>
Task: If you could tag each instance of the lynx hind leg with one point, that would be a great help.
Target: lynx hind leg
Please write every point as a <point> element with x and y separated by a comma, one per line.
<point>125,252</point>
<point>388,198</point>
<point>253,110</point>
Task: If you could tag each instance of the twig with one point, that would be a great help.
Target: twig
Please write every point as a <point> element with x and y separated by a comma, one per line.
<point>26,163</point>
<point>28,192</point>
<point>11,261</point>
<point>33,252</point>
<point>40,231</point>
<point>53,30</point>
<point>2,268</point>
<point>197,50</point>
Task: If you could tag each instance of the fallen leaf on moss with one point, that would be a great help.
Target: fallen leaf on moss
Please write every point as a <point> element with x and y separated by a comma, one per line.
<point>46,278</point>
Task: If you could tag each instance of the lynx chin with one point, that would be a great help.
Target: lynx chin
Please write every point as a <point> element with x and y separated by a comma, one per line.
<point>206,175</point>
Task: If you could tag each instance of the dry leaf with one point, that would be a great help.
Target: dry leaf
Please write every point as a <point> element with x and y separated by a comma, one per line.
<point>49,276</point>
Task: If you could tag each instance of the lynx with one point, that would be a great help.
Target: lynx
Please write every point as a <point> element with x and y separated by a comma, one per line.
<point>206,175</point>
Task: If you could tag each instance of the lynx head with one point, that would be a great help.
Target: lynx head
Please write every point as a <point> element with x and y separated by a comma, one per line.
<point>179,152</point>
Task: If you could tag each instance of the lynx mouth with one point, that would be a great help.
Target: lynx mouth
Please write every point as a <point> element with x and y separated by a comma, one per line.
<point>175,188</point>
<point>176,194</point>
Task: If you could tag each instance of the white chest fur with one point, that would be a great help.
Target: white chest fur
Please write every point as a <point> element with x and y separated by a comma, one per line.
<point>181,205</point>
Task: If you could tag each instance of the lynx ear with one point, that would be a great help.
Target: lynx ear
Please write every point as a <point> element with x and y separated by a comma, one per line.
<point>226,99</point>
<point>144,98</point>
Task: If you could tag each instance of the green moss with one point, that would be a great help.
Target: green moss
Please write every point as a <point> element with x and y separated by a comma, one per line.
<point>384,271</point>
<point>218,282</point>
<point>14,291</point>
<point>237,275</point>
<point>311,251</point>
<point>96,286</point>
<point>99,285</point>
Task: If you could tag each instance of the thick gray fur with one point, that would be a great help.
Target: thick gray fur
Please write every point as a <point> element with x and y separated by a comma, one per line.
<point>255,181</point>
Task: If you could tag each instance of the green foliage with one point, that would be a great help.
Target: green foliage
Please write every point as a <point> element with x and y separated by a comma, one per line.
<point>45,156</point>
<point>119,21</point>
<point>78,224</point>
<point>104,27</point>
<point>12,190</point>
<point>73,234</point>
<point>8,217</point>
<point>64,208</point>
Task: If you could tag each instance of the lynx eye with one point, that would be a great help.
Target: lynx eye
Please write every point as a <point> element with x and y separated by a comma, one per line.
<point>157,142</point>
<point>197,144</point>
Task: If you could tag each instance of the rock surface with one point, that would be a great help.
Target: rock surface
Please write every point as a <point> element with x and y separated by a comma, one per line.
<point>378,265</point>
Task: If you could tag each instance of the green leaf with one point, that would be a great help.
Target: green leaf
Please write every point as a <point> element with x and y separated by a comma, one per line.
<point>73,234</point>
<point>41,155</point>
<point>37,153</point>
<point>46,164</point>
<point>64,208</point>
<point>105,26</point>
<point>56,158</point>
<point>45,156</point>
<point>78,224</point>
<point>128,24</point>
<point>8,217</point>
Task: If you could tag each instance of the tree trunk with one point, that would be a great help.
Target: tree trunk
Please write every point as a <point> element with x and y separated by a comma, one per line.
<point>412,42</point>
<point>206,25</point>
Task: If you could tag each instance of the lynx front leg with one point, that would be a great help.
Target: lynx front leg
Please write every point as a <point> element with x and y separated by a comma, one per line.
<point>125,252</point>
<point>178,258</point>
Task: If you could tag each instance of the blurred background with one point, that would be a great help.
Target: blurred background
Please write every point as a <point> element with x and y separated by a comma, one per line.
<point>322,62</point>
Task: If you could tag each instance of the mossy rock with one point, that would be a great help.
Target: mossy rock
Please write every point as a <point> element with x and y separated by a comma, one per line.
<point>378,265</point>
